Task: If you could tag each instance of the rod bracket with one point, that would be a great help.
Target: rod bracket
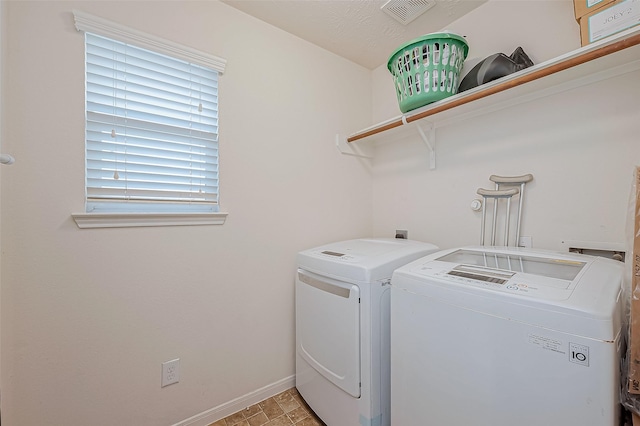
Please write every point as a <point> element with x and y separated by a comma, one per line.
<point>429,139</point>
<point>345,149</point>
<point>6,159</point>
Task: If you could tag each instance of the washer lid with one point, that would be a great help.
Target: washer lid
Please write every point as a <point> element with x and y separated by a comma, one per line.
<point>567,292</point>
<point>503,266</point>
<point>363,260</point>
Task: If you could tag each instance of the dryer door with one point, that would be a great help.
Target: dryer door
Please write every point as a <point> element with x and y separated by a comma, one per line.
<point>328,328</point>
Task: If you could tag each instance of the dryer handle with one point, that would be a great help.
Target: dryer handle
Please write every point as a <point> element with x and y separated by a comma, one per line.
<point>323,285</point>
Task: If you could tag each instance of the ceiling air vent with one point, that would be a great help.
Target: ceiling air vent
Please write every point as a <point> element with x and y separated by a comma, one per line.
<point>405,11</point>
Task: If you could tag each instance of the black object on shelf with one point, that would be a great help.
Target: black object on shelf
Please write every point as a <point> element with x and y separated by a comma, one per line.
<point>495,66</point>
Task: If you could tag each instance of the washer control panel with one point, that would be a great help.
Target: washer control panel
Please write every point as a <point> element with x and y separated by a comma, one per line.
<point>512,282</point>
<point>489,278</point>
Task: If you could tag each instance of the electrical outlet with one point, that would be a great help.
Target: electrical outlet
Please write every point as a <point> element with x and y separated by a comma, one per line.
<point>170,372</point>
<point>525,242</point>
<point>402,233</point>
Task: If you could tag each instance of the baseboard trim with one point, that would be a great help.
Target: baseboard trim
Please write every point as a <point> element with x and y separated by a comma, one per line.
<point>221,411</point>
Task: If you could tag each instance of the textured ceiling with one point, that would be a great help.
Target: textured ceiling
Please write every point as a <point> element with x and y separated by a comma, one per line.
<point>354,29</point>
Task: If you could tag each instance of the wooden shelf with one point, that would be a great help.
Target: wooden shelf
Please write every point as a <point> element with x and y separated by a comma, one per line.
<point>616,55</point>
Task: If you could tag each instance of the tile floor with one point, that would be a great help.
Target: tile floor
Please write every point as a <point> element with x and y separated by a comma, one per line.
<point>286,408</point>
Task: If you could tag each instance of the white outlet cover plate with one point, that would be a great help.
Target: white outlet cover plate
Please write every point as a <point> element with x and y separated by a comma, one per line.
<point>170,372</point>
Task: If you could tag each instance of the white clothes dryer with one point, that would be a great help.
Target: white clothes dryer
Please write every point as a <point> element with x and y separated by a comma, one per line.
<point>342,327</point>
<point>506,336</point>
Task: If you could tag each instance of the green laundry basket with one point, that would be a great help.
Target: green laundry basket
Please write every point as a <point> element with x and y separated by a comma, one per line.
<point>427,69</point>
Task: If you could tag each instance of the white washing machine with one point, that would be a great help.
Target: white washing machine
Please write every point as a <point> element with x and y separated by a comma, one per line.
<point>506,336</point>
<point>342,327</point>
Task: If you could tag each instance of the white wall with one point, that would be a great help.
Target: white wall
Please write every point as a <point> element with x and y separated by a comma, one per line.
<point>580,145</point>
<point>2,84</point>
<point>89,315</point>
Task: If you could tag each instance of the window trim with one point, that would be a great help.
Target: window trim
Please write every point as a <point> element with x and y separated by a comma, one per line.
<point>131,220</point>
<point>103,27</point>
<point>106,28</point>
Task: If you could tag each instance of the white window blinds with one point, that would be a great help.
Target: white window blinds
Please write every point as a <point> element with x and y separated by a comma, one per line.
<point>151,131</point>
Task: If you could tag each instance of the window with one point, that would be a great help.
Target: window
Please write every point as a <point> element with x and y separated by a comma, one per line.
<point>151,126</point>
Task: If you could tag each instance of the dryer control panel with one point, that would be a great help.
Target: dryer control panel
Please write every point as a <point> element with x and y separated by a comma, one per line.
<point>335,255</point>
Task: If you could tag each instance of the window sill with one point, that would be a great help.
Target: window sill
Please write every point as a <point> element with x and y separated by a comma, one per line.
<point>129,220</point>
